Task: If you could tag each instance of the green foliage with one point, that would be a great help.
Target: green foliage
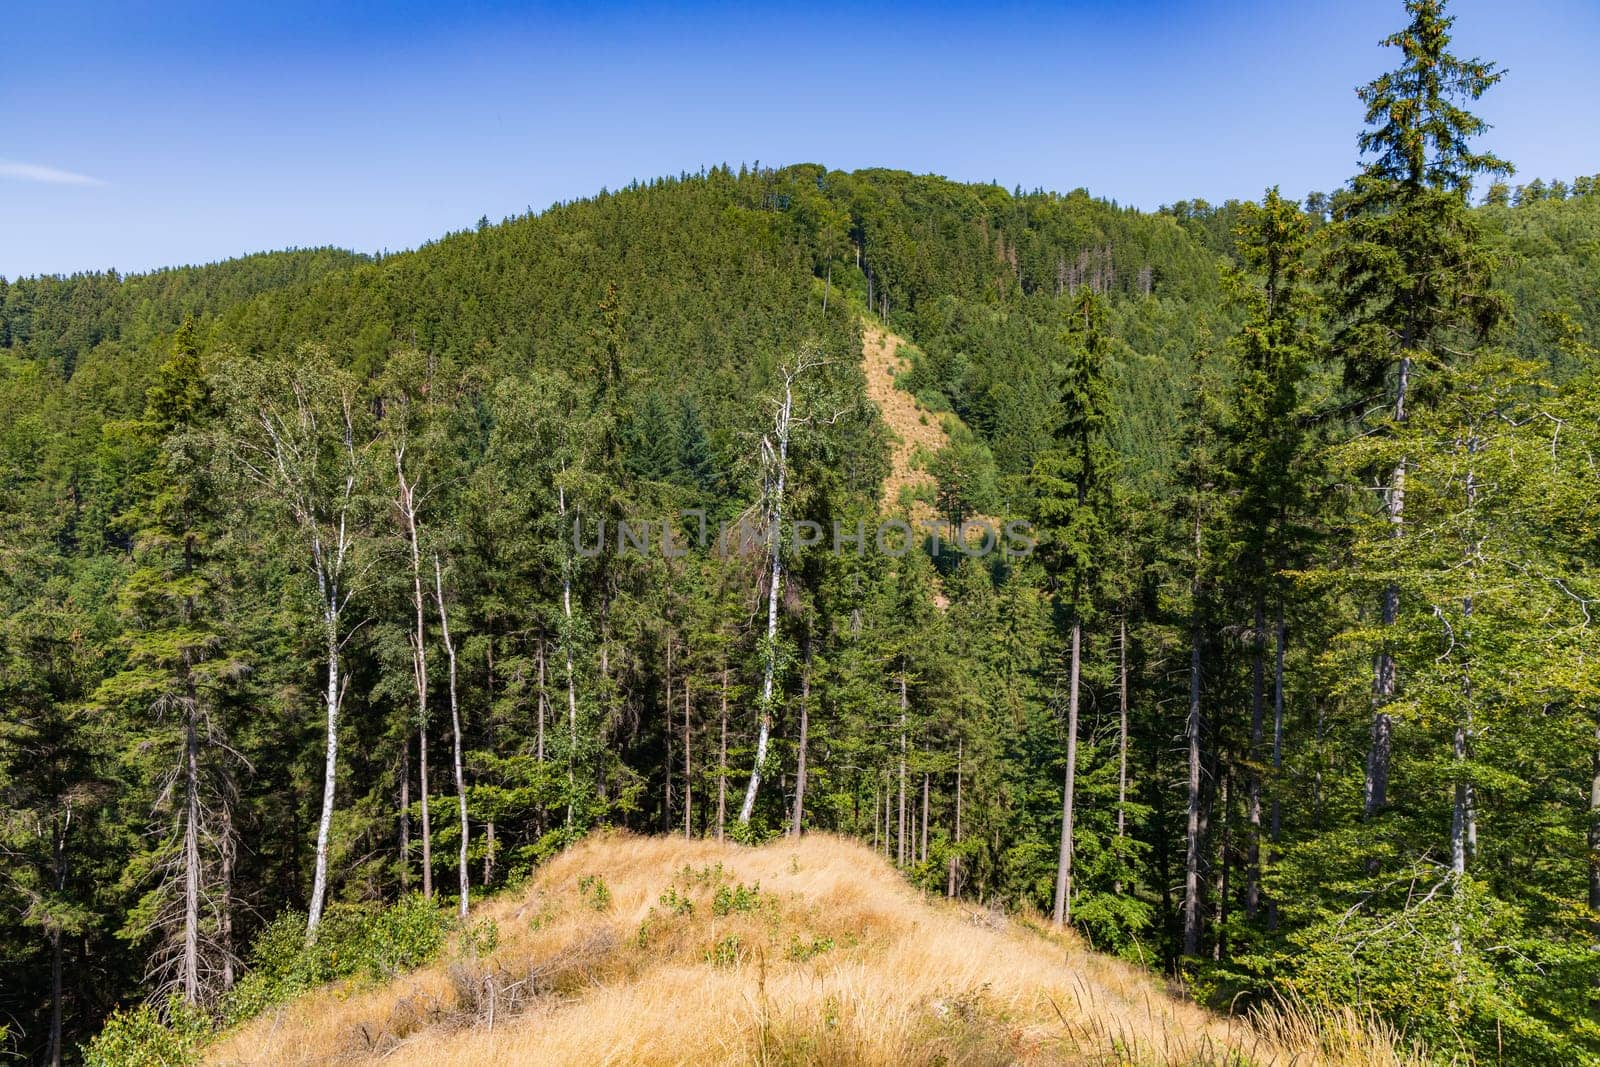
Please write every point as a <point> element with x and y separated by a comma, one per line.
<point>1197,408</point>
<point>726,951</point>
<point>735,899</point>
<point>353,940</point>
<point>140,1037</point>
<point>594,891</point>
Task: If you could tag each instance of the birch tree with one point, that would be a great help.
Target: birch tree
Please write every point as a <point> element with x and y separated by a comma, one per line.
<point>791,409</point>
<point>299,438</point>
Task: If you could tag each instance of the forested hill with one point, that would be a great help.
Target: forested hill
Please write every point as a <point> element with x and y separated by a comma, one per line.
<point>290,585</point>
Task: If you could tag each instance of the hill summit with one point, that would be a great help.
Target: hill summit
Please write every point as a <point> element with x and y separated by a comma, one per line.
<point>635,950</point>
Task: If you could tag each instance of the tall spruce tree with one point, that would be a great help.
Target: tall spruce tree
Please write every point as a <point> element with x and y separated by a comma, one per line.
<point>1410,269</point>
<point>1071,494</point>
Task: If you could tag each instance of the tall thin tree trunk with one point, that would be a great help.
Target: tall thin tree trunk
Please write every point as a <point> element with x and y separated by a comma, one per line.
<point>405,812</point>
<point>543,705</point>
<point>666,800</point>
<point>1463,828</point>
<point>1258,703</point>
<point>1191,861</point>
<point>406,504</point>
<point>1594,830</point>
<point>455,731</point>
<point>900,830</point>
<point>1122,742</point>
<point>62,823</point>
<point>1375,791</point>
<point>805,731</point>
<point>191,846</point>
<point>330,769</point>
<point>1276,827</point>
<point>775,544</point>
<point>955,854</point>
<point>688,756</point>
<point>423,792</point>
<point>226,843</point>
<point>488,827</point>
<point>877,821</point>
<point>922,848</point>
<point>54,1054</point>
<point>1062,912</point>
<point>1220,925</point>
<point>722,762</point>
<point>566,647</point>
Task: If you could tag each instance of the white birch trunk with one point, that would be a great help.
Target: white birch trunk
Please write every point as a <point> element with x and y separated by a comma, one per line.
<point>455,731</point>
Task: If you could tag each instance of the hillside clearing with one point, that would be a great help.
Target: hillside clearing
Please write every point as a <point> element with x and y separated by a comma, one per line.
<point>914,427</point>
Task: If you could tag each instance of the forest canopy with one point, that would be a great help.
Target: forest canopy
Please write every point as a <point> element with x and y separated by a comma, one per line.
<point>1295,697</point>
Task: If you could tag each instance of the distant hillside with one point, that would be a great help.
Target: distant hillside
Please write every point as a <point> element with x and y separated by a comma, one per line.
<point>628,950</point>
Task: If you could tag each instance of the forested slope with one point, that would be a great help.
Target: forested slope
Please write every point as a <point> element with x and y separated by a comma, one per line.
<point>300,564</point>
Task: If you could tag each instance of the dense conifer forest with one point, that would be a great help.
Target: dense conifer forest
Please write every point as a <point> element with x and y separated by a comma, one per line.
<point>1295,695</point>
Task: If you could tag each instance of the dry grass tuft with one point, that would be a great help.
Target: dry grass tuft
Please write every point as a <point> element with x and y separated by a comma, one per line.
<point>632,950</point>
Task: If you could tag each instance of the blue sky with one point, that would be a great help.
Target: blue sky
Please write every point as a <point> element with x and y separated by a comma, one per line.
<point>140,134</point>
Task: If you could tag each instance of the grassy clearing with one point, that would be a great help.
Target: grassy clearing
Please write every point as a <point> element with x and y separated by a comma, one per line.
<point>630,950</point>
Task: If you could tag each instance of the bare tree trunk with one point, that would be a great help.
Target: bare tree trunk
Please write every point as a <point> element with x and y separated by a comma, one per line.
<point>1594,831</point>
<point>900,830</point>
<point>877,821</point>
<point>330,770</point>
<point>1276,827</point>
<point>922,850</point>
<point>1122,741</point>
<point>688,755</point>
<point>191,848</point>
<point>455,731</point>
<point>805,731</point>
<point>54,1054</point>
<point>1191,862</point>
<point>1062,912</point>
<point>62,823</point>
<point>666,800</point>
<point>227,844</point>
<point>566,647</point>
<point>955,858</point>
<point>405,812</point>
<point>488,827</point>
<point>406,504</point>
<point>543,705</point>
<point>722,762</point>
<point>1220,926</point>
<point>1258,708</point>
<point>423,791</point>
<point>1375,791</point>
<point>775,542</point>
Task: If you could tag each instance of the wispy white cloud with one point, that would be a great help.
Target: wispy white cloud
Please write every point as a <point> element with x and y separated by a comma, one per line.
<point>32,172</point>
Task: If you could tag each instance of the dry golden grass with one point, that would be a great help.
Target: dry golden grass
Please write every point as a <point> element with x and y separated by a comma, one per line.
<point>836,961</point>
<point>914,427</point>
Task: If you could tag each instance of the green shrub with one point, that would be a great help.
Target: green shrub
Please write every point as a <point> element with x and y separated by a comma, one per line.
<point>352,939</point>
<point>480,938</point>
<point>736,898</point>
<point>677,903</point>
<point>139,1038</point>
<point>725,952</point>
<point>593,888</point>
